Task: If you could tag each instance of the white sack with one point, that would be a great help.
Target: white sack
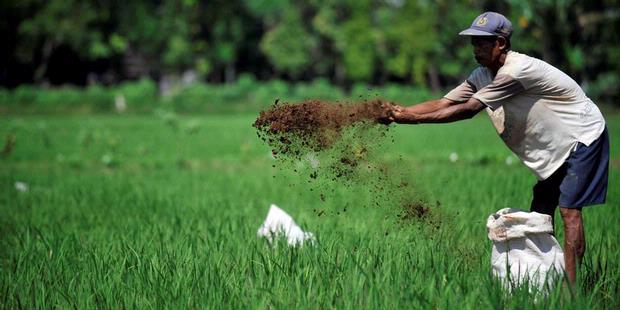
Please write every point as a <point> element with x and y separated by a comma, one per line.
<point>524,248</point>
<point>279,223</point>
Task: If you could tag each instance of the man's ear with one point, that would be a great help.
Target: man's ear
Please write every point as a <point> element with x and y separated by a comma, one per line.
<point>502,43</point>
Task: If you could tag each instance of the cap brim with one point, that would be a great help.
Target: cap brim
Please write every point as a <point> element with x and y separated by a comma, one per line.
<point>475,32</point>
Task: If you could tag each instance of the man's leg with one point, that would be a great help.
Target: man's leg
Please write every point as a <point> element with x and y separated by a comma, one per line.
<point>546,194</point>
<point>545,207</point>
<point>574,240</point>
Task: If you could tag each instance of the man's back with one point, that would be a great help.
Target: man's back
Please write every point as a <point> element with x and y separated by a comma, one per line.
<point>539,111</point>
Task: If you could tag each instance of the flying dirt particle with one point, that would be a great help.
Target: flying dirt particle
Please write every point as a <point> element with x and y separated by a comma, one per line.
<point>9,144</point>
<point>415,210</point>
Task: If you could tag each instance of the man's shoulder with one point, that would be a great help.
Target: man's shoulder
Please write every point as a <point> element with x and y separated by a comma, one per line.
<point>481,70</point>
<point>480,77</point>
<point>514,56</point>
<point>519,62</point>
<point>532,71</point>
<point>515,63</point>
<point>523,67</point>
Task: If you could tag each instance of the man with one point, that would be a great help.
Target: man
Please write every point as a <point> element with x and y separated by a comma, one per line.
<point>542,115</point>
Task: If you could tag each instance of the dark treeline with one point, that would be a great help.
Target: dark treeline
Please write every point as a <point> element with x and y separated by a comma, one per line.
<point>82,42</point>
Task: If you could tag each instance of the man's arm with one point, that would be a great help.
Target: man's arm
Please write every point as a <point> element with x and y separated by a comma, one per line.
<point>440,111</point>
<point>429,106</point>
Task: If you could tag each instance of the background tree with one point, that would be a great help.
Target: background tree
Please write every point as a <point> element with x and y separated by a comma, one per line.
<point>56,23</point>
<point>286,43</point>
<point>343,41</point>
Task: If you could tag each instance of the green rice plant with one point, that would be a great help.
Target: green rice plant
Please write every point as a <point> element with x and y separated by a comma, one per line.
<point>151,233</point>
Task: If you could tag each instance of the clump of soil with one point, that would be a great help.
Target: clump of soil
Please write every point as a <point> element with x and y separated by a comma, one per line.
<point>295,129</point>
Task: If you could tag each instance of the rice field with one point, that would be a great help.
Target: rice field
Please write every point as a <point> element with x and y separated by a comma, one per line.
<point>161,211</point>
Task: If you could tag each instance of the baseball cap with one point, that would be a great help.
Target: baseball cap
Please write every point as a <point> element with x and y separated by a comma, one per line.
<point>489,24</point>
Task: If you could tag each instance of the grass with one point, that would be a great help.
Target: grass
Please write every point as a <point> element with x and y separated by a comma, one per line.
<point>161,212</point>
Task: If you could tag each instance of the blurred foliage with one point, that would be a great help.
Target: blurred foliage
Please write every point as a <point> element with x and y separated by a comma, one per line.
<point>288,46</point>
<point>343,41</point>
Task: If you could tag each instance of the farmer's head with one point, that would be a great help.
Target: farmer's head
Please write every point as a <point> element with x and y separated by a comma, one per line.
<point>490,35</point>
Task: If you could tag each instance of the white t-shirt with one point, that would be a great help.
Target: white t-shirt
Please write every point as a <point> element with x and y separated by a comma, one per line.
<point>539,111</point>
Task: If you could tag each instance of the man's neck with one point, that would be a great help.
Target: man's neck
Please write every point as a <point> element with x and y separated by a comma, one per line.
<point>499,64</point>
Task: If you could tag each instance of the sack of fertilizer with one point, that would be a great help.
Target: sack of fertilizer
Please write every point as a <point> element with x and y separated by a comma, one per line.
<point>524,249</point>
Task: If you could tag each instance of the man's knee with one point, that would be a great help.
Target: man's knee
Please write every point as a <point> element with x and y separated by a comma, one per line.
<point>571,216</point>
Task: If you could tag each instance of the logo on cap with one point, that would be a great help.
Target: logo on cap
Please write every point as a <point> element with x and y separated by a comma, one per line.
<point>482,21</point>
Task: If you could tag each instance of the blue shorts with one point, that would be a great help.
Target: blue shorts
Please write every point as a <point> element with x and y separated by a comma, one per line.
<point>581,181</point>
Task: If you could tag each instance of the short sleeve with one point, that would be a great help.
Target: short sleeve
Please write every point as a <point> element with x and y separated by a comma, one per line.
<point>478,78</point>
<point>462,92</point>
<point>501,88</point>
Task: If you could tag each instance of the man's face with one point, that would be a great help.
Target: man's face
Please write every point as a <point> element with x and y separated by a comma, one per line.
<point>486,50</point>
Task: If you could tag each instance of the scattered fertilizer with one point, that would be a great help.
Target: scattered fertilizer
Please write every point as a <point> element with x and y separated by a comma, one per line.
<point>337,140</point>
<point>341,142</point>
<point>295,129</point>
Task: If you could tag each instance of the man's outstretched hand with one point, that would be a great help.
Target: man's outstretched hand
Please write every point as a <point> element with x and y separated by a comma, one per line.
<point>392,112</point>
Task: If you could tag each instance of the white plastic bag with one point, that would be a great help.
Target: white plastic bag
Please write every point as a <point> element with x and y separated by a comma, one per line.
<point>524,248</point>
<point>279,223</point>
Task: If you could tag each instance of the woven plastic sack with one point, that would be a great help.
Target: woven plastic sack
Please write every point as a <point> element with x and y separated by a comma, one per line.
<point>524,249</point>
